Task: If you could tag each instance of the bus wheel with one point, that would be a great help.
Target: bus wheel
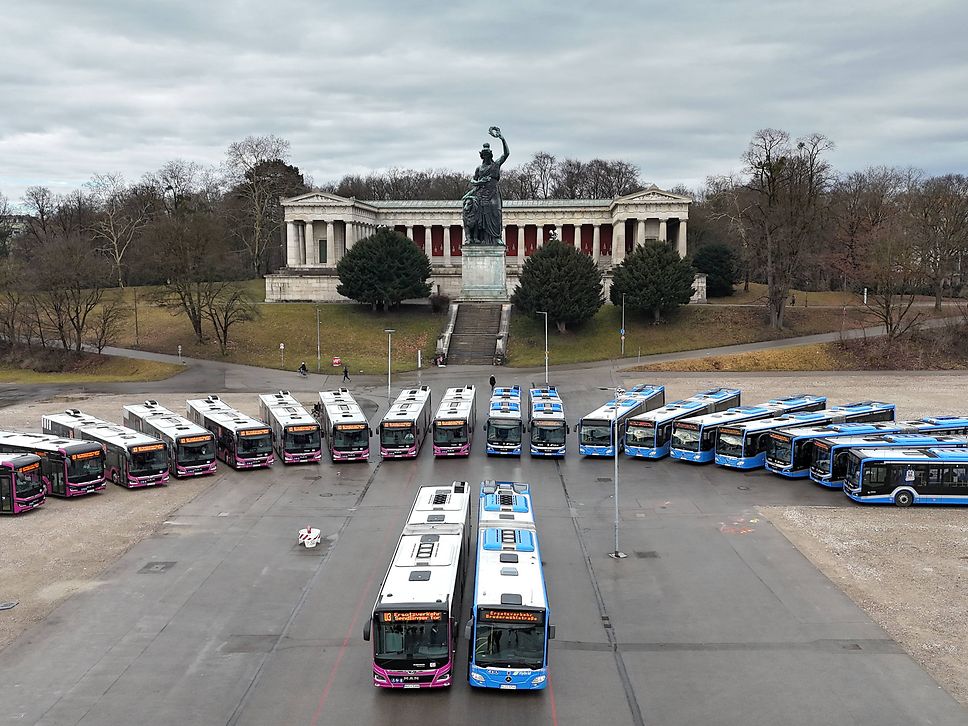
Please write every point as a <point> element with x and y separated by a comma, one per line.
<point>116,477</point>
<point>903,498</point>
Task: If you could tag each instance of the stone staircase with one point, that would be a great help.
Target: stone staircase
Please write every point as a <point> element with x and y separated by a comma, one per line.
<point>475,334</point>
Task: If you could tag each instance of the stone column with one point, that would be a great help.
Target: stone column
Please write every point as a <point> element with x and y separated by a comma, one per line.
<point>663,231</point>
<point>681,242</point>
<point>538,237</point>
<point>292,244</point>
<point>410,232</point>
<point>301,245</point>
<point>596,242</point>
<point>330,244</point>
<point>618,241</point>
<point>312,245</point>
<point>520,245</point>
<point>640,233</point>
<point>445,243</point>
<point>350,235</point>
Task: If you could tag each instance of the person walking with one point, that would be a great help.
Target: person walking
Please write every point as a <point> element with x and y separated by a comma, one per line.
<point>493,382</point>
<point>346,373</point>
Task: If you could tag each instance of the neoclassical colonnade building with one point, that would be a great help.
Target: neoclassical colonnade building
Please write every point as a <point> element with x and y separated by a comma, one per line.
<point>321,227</point>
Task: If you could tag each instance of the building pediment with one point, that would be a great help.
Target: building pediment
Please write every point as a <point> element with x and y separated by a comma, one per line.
<point>323,199</point>
<point>652,194</point>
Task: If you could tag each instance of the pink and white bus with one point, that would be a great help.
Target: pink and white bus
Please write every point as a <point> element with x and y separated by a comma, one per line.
<point>68,467</point>
<point>414,620</point>
<point>241,441</point>
<point>191,449</point>
<point>405,425</point>
<point>295,433</point>
<point>131,459</point>
<point>455,422</point>
<point>21,488</point>
<point>344,425</point>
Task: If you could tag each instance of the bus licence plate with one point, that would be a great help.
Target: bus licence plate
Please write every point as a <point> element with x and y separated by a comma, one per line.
<point>411,685</point>
<point>508,687</point>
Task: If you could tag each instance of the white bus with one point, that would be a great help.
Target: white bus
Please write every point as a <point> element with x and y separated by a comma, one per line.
<point>344,425</point>
<point>405,425</point>
<point>69,467</point>
<point>455,422</point>
<point>131,459</point>
<point>510,623</point>
<point>547,422</point>
<point>415,617</point>
<point>191,449</point>
<point>241,441</point>
<point>295,433</point>
<point>505,422</point>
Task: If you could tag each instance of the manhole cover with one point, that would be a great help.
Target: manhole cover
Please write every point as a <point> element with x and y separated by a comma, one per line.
<point>154,568</point>
<point>604,478</point>
<point>743,488</point>
<point>646,555</point>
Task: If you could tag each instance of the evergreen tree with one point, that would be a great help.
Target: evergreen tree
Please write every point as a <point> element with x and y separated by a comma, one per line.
<point>654,278</point>
<point>561,281</point>
<point>383,270</point>
<point>718,262</point>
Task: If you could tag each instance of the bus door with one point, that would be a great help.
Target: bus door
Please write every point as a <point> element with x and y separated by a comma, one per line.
<point>54,468</point>
<point>6,492</point>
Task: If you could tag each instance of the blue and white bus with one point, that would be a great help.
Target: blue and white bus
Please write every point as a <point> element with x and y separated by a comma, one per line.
<point>510,623</point>
<point>505,422</point>
<point>749,445</point>
<point>829,466</point>
<point>648,435</point>
<point>595,429</point>
<point>908,476</point>
<point>546,422</point>
<point>694,439</point>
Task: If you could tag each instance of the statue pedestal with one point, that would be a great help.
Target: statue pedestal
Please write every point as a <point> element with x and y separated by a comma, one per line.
<point>483,273</point>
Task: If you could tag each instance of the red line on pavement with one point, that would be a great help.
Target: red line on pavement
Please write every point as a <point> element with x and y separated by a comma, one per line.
<point>356,615</point>
<point>554,706</point>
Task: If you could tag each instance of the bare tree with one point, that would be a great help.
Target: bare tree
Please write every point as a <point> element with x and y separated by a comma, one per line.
<point>107,322</point>
<point>939,209</point>
<point>890,266</point>
<point>542,171</point>
<point>251,170</point>
<point>121,215</point>
<point>226,307</point>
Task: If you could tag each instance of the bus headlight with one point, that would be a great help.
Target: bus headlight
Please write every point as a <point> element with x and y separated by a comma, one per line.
<point>539,680</point>
<point>477,677</point>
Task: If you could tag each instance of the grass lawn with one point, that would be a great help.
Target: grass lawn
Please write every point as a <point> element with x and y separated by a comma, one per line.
<point>351,332</point>
<point>95,369</point>
<point>693,327</point>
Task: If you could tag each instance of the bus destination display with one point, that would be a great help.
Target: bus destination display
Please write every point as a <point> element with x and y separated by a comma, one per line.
<point>85,455</point>
<point>297,429</point>
<point>148,447</point>
<point>350,427</point>
<point>511,616</point>
<point>451,423</point>
<point>195,439</point>
<point>411,616</point>
<point>254,432</point>
<point>397,424</point>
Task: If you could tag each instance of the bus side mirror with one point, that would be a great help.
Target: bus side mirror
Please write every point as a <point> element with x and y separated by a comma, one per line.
<point>551,632</point>
<point>567,429</point>
<point>366,629</point>
<point>468,629</point>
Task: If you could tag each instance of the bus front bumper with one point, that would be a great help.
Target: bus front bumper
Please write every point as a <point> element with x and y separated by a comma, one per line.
<point>740,462</point>
<point>438,678</point>
<point>508,679</point>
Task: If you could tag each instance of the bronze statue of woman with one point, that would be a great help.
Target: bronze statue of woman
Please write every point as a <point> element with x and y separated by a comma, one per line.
<point>483,221</point>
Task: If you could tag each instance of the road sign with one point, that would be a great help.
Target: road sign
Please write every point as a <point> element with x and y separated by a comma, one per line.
<point>337,361</point>
<point>621,332</point>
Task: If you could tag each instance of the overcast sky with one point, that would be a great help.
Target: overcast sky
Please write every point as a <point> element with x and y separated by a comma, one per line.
<point>359,85</point>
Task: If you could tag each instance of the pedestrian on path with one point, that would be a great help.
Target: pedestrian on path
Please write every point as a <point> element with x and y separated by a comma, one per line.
<point>346,374</point>
<point>492,381</point>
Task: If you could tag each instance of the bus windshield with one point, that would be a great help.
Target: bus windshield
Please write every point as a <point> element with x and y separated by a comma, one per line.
<point>255,445</point>
<point>85,467</point>
<point>144,463</point>
<point>297,441</point>
<point>781,450</point>
<point>510,644</point>
<point>730,444</point>
<point>504,432</point>
<point>450,435</point>
<point>595,434</point>
<point>551,433</point>
<point>355,439</point>
<point>685,439</point>
<point>821,459</point>
<point>853,471</point>
<point>403,638</point>
<point>397,438</point>
<point>195,453</point>
<point>640,435</point>
<point>28,483</point>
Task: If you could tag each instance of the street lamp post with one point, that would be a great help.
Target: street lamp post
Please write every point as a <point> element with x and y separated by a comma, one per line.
<point>616,554</point>
<point>541,312</point>
<point>389,332</point>
<point>622,333</point>
<point>318,354</point>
